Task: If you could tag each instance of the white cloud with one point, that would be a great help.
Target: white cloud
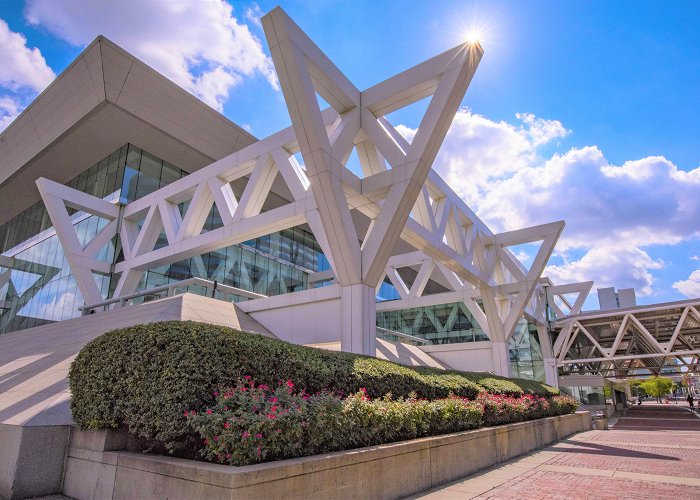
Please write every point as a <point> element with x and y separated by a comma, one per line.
<point>620,266</point>
<point>253,14</point>
<point>611,212</point>
<point>9,109</point>
<point>488,151</point>
<point>200,45</point>
<point>20,66</point>
<point>691,286</point>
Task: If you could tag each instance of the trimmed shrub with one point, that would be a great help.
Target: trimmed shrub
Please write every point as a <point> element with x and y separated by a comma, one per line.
<point>501,409</point>
<point>253,423</point>
<point>146,376</point>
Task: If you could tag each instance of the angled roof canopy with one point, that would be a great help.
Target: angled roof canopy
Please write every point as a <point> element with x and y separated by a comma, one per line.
<point>103,100</point>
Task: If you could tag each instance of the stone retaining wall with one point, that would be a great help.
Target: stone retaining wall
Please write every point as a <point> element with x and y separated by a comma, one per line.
<point>97,468</point>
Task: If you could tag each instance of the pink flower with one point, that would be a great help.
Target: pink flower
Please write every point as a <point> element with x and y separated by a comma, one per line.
<point>228,455</point>
<point>225,408</point>
<point>206,441</point>
<point>208,412</point>
<point>290,384</point>
<point>216,394</point>
<point>186,414</point>
<point>274,408</point>
<point>259,451</point>
<point>216,438</point>
<point>246,434</point>
<point>273,399</point>
<point>226,425</point>
<point>271,416</point>
<point>247,377</point>
<point>258,435</point>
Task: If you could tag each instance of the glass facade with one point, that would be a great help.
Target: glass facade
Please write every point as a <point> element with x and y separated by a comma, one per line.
<point>593,396</point>
<point>441,324</point>
<point>525,352</point>
<point>42,290</point>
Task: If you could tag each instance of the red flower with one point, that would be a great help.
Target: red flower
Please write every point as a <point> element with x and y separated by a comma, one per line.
<point>247,377</point>
<point>226,425</point>
<point>290,384</point>
<point>208,412</point>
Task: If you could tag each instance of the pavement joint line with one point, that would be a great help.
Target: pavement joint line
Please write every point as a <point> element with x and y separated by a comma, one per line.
<point>657,478</point>
<point>646,445</point>
<point>665,419</point>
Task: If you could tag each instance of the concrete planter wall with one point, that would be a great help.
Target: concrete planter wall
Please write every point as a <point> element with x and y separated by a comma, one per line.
<point>97,468</point>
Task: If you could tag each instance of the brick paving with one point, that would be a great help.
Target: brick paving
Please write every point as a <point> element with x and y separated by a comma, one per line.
<point>652,451</point>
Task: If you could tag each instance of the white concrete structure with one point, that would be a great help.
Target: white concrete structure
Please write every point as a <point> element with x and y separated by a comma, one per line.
<point>394,222</point>
<point>608,298</point>
<point>399,213</point>
<point>622,342</point>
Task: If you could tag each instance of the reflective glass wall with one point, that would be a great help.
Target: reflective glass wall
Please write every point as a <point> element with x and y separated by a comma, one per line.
<point>525,352</point>
<point>441,324</point>
<point>42,289</point>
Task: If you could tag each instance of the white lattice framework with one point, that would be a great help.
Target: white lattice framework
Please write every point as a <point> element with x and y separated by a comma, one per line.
<point>398,192</point>
<point>613,343</point>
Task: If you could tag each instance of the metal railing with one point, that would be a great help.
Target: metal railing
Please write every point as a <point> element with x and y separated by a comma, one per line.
<point>170,290</point>
<point>404,336</point>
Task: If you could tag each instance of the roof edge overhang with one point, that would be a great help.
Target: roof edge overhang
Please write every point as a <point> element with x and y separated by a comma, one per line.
<point>109,97</point>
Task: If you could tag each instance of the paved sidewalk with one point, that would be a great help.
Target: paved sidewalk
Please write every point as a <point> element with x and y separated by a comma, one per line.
<point>659,461</point>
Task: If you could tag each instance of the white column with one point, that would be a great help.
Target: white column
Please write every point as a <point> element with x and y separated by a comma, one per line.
<point>551,376</point>
<point>550,363</point>
<point>358,320</point>
<point>500,357</point>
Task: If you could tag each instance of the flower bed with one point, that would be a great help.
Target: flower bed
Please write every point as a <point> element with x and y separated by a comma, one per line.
<point>145,377</point>
<point>252,423</point>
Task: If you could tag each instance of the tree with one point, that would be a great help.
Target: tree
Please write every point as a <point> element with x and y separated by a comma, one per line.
<point>636,387</point>
<point>657,386</point>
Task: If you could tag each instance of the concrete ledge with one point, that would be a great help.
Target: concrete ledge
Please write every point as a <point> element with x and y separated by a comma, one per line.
<point>386,471</point>
<point>31,460</point>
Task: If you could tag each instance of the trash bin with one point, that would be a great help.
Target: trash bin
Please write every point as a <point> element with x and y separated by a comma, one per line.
<point>600,422</point>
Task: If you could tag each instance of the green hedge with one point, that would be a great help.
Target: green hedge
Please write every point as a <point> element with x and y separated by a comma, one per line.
<point>145,376</point>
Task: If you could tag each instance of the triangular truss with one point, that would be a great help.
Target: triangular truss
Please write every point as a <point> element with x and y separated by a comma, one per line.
<point>399,195</point>
<point>305,71</point>
<point>560,301</point>
<point>615,344</point>
<point>81,257</point>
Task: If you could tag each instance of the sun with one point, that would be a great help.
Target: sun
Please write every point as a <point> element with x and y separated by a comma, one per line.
<point>473,36</point>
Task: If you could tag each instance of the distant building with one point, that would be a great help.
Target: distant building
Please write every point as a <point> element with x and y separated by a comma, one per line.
<point>608,298</point>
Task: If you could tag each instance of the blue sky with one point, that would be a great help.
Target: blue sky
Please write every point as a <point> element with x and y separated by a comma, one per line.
<point>586,111</point>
